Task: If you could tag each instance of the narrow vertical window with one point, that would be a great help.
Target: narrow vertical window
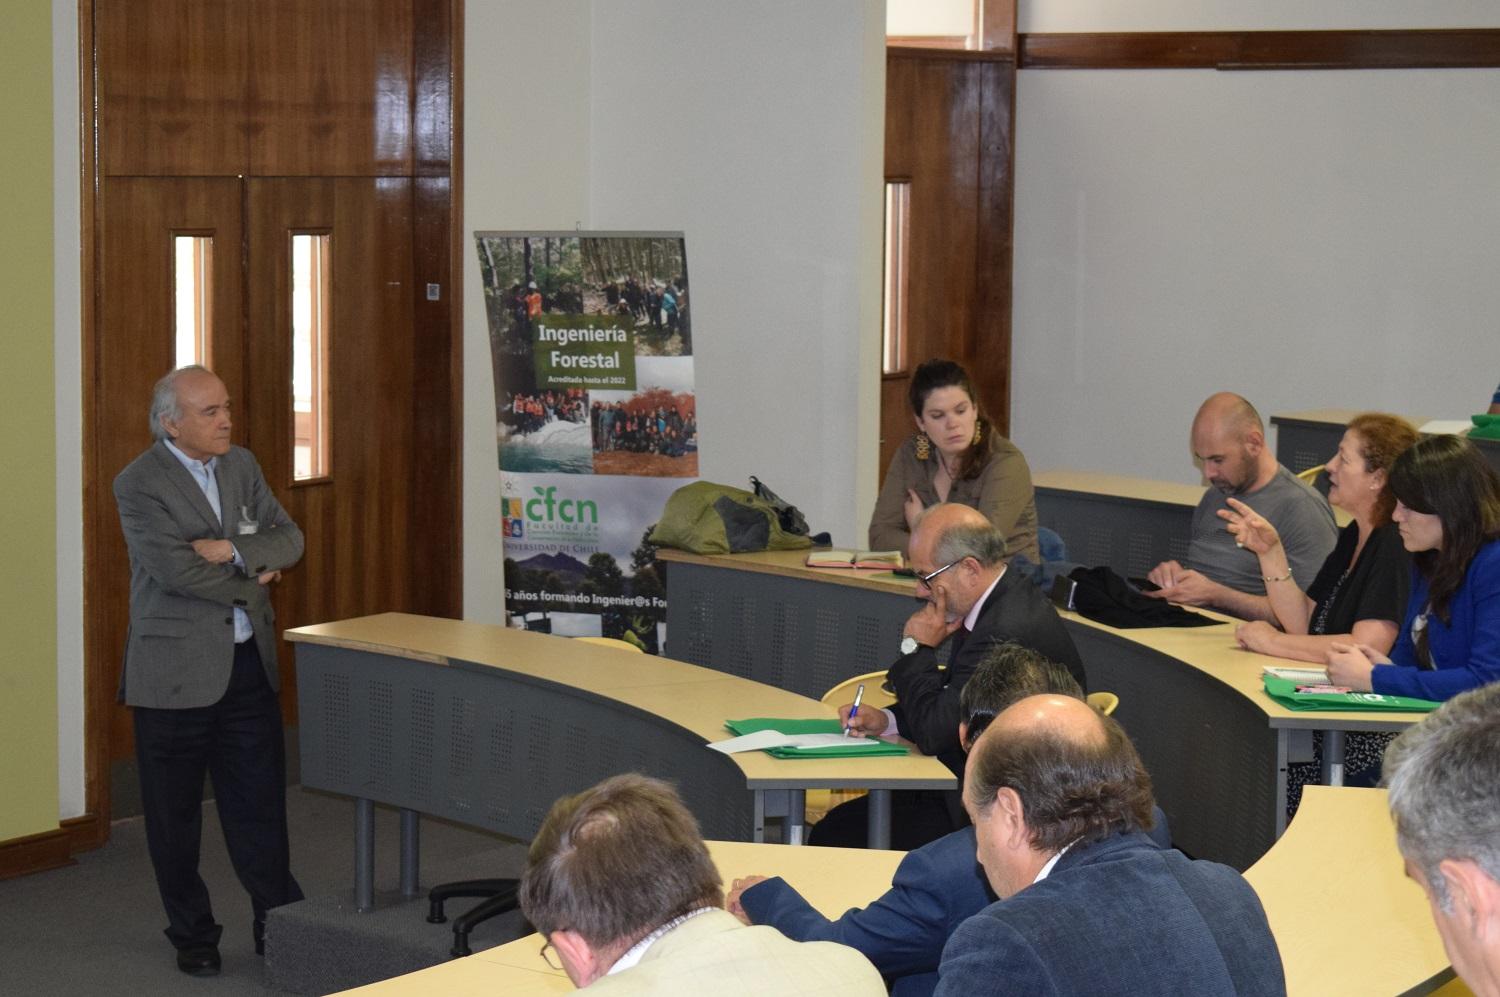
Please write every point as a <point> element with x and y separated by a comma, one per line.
<point>193,295</point>
<point>311,322</point>
<point>897,253</point>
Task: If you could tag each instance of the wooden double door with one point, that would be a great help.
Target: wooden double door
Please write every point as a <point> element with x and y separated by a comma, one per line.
<point>364,531</point>
<point>949,133</point>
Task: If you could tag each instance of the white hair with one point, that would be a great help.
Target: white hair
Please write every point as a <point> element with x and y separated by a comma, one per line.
<point>164,399</point>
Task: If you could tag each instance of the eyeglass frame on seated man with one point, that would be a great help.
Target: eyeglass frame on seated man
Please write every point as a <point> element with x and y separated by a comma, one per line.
<point>927,579</point>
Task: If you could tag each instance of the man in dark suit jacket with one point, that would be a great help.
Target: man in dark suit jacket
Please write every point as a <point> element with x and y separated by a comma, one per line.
<point>1088,905</point>
<point>206,539</point>
<point>972,602</point>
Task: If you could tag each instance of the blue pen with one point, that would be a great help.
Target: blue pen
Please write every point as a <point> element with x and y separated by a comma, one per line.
<point>859,694</point>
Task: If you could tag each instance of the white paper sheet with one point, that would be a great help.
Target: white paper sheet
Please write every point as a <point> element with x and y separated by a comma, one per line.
<point>763,739</point>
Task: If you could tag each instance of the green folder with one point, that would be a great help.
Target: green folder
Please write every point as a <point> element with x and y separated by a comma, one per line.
<point>1284,691</point>
<point>857,746</point>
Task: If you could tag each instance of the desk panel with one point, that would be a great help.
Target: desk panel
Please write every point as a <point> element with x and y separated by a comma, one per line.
<point>1217,767</point>
<point>489,747</point>
<point>489,726</point>
<point>804,631</point>
<point>1305,439</point>
<point>1128,524</point>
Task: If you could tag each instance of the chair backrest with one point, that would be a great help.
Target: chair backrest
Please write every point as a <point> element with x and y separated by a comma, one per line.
<point>874,695</point>
<point>615,642</point>
<point>1316,477</point>
<point>1104,702</point>
<point>1050,543</point>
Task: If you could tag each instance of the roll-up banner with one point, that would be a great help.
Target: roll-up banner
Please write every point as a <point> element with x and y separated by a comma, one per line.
<point>595,421</point>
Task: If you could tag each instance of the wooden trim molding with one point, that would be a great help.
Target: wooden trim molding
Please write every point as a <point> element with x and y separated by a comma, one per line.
<point>995,25</point>
<point>98,659</point>
<point>1459,48</point>
<point>86,833</point>
<point>950,54</point>
<point>35,853</point>
<point>958,43</point>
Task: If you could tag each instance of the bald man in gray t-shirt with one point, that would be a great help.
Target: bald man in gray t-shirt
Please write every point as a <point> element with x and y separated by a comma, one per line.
<point>1229,441</point>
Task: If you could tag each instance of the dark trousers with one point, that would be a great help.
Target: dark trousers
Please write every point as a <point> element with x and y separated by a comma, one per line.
<point>918,816</point>
<point>238,742</point>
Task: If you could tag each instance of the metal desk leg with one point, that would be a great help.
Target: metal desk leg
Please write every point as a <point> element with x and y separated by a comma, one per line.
<point>796,818</point>
<point>879,827</point>
<point>1279,824</point>
<point>758,831</point>
<point>364,855</point>
<point>410,852</point>
<point>1333,758</point>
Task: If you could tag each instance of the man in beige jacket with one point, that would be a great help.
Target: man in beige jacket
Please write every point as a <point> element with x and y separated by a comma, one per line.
<point>621,885</point>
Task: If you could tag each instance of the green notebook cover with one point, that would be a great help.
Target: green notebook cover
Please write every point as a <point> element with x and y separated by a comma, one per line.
<point>857,746</point>
<point>1284,691</point>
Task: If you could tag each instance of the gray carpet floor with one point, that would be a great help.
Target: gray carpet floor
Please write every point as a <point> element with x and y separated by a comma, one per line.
<point>95,927</point>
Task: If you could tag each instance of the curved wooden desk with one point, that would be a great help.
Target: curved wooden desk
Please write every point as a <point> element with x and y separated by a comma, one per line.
<point>1216,746</point>
<point>1346,918</point>
<point>488,726</point>
<point>832,880</point>
<point>1347,921</point>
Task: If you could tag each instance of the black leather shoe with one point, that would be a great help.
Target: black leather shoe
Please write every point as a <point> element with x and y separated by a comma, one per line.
<point>199,960</point>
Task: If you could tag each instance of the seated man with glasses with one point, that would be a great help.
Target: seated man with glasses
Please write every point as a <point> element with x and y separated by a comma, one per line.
<point>971,602</point>
<point>937,886</point>
<point>619,883</point>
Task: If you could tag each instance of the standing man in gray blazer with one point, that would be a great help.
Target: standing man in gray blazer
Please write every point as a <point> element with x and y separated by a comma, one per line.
<point>206,539</point>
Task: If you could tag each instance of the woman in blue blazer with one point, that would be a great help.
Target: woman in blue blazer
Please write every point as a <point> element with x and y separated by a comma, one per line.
<point>1448,512</point>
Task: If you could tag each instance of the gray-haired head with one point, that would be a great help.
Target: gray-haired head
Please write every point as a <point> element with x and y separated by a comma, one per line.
<point>1444,780</point>
<point>962,531</point>
<point>164,399</point>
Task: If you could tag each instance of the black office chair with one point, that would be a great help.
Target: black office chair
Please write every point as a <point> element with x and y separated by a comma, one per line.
<point>500,897</point>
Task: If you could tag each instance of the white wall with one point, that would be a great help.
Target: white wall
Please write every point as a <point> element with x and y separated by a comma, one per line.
<point>758,130</point>
<point>1309,239</point>
<point>526,150</point>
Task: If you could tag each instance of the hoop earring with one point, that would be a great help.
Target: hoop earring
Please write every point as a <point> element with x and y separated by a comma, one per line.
<point>924,447</point>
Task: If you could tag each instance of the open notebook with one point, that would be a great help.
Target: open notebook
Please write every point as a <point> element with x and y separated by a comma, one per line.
<point>834,557</point>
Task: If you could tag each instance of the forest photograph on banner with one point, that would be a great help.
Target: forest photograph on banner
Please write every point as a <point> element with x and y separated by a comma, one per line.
<point>596,424</point>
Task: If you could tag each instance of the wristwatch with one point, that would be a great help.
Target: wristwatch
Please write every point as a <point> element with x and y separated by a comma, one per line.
<point>909,645</point>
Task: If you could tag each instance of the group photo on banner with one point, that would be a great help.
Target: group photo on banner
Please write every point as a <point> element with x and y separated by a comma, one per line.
<point>595,422</point>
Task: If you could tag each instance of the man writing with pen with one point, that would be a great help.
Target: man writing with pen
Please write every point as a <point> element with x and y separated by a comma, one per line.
<point>969,603</point>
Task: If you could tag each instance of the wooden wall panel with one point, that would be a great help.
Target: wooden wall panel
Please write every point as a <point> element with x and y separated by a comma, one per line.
<point>433,73</point>
<point>932,140</point>
<point>171,87</point>
<point>358,522</point>
<point>988,358</point>
<point>331,87</point>
<point>950,132</point>
<point>437,544</point>
<point>1453,48</point>
<point>134,346</point>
